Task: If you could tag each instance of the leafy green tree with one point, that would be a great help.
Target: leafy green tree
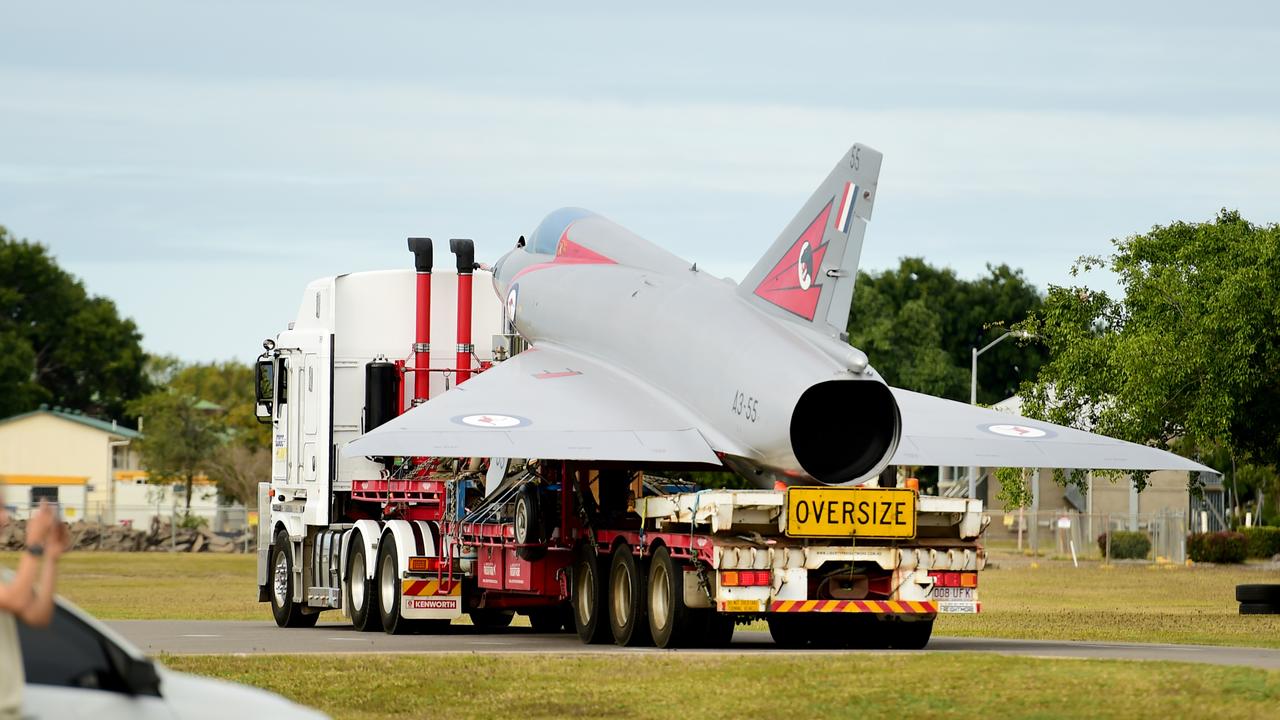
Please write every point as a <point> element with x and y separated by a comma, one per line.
<point>918,325</point>
<point>180,437</point>
<point>58,344</point>
<point>1190,355</point>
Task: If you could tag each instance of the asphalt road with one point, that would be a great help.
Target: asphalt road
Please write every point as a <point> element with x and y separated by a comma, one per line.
<point>221,637</point>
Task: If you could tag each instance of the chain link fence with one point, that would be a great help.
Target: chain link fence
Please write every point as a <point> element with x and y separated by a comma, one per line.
<point>1080,536</point>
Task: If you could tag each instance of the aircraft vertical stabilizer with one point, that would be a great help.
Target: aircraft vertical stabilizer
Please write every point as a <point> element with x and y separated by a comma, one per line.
<point>809,272</point>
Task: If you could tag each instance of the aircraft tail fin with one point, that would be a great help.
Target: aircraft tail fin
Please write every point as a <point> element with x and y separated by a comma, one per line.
<point>807,275</point>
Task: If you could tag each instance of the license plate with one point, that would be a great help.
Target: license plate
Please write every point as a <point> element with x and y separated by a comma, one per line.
<point>953,593</point>
<point>851,512</point>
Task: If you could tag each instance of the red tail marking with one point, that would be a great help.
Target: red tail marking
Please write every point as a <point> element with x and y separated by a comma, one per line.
<point>793,284</point>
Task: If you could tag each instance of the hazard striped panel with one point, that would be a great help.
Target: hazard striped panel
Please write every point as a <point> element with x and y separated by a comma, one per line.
<point>895,607</point>
<point>419,588</point>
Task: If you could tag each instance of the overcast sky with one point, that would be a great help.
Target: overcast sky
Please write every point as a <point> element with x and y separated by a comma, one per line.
<point>200,162</point>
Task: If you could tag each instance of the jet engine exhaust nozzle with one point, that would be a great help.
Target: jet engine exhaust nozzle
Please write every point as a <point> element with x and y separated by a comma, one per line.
<point>843,431</point>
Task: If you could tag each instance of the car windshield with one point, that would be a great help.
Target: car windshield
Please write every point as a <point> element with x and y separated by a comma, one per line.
<point>544,238</point>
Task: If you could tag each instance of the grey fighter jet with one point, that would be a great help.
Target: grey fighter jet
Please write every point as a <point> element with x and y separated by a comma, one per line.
<point>639,356</point>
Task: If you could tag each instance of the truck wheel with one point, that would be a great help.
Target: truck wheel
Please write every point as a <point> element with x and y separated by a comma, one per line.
<point>717,629</point>
<point>789,631</point>
<point>865,631</point>
<point>549,619</point>
<point>361,596</point>
<point>1251,608</point>
<point>388,580</point>
<point>491,619</point>
<point>670,621</point>
<point>287,613</point>
<point>908,635</point>
<point>628,619</point>
<point>1258,593</point>
<point>589,590</point>
<point>528,524</point>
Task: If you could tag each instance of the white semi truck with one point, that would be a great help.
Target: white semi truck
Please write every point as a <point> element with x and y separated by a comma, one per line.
<point>621,554</point>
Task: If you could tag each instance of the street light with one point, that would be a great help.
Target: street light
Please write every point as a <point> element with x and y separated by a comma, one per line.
<point>973,393</point>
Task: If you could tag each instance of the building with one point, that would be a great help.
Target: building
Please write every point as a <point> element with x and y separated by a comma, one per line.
<point>65,457</point>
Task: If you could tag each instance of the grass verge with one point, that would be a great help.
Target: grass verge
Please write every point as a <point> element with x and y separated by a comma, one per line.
<point>667,686</point>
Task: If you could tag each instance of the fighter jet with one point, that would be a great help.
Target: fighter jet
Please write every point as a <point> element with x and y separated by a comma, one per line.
<point>639,356</point>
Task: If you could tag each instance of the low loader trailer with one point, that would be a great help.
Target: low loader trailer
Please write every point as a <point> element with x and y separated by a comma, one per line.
<point>633,555</point>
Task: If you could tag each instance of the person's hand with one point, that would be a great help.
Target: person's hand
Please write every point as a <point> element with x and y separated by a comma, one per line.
<point>39,524</point>
<point>58,540</point>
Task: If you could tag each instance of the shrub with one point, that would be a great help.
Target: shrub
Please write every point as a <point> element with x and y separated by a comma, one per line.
<point>1261,542</point>
<point>1125,545</point>
<point>1218,547</point>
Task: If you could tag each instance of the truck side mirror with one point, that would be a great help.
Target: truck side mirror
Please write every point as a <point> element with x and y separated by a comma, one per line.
<point>264,389</point>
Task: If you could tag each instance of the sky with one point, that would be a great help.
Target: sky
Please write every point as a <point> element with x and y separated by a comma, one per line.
<point>200,162</point>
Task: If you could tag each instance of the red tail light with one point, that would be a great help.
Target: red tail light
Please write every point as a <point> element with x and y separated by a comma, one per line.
<point>745,578</point>
<point>954,579</point>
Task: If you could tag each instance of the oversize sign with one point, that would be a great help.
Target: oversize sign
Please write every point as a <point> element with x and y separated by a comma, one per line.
<point>851,512</point>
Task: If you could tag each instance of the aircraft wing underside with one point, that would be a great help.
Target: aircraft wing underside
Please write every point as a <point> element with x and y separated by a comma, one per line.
<point>936,431</point>
<point>544,403</point>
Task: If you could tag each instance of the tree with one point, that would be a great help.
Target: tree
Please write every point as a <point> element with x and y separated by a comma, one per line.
<point>918,324</point>
<point>58,344</point>
<point>180,437</point>
<point>1187,358</point>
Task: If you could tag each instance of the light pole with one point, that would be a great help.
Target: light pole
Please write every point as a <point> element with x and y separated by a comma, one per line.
<point>973,393</point>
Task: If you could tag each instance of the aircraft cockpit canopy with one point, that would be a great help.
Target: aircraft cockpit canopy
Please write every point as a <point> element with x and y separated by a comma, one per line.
<point>544,239</point>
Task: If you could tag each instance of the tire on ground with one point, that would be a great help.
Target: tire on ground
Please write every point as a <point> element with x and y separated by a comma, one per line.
<point>360,592</point>
<point>1260,608</point>
<point>628,601</point>
<point>790,630</point>
<point>491,619</point>
<point>387,579</point>
<point>1258,593</point>
<point>671,622</point>
<point>590,588</point>
<point>287,613</point>
<point>908,635</point>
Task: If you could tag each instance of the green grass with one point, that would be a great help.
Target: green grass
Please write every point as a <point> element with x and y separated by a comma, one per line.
<point>160,585</point>
<point>1119,602</point>
<point>720,686</point>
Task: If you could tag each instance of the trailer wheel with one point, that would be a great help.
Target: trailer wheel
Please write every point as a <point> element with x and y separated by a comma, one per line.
<point>528,524</point>
<point>717,629</point>
<point>589,590</point>
<point>1252,608</point>
<point>628,619</point>
<point>790,631</point>
<point>288,614</point>
<point>670,620</point>
<point>550,619</point>
<point>491,619</point>
<point>361,593</point>
<point>903,635</point>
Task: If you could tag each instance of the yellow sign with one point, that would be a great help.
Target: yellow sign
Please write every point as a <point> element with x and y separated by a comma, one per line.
<point>740,606</point>
<point>851,512</point>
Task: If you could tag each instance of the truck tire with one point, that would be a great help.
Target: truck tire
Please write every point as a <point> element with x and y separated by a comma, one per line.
<point>628,615</point>
<point>387,578</point>
<point>717,629</point>
<point>1259,608</point>
<point>287,613</point>
<point>1268,593</point>
<point>790,631</point>
<point>590,588</point>
<point>671,622</point>
<point>550,619</point>
<point>905,635</point>
<point>361,600</point>
<point>527,522</point>
<point>487,619</point>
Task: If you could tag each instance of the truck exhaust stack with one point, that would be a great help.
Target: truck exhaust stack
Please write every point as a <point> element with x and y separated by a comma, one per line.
<point>421,249</point>
<point>465,252</point>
